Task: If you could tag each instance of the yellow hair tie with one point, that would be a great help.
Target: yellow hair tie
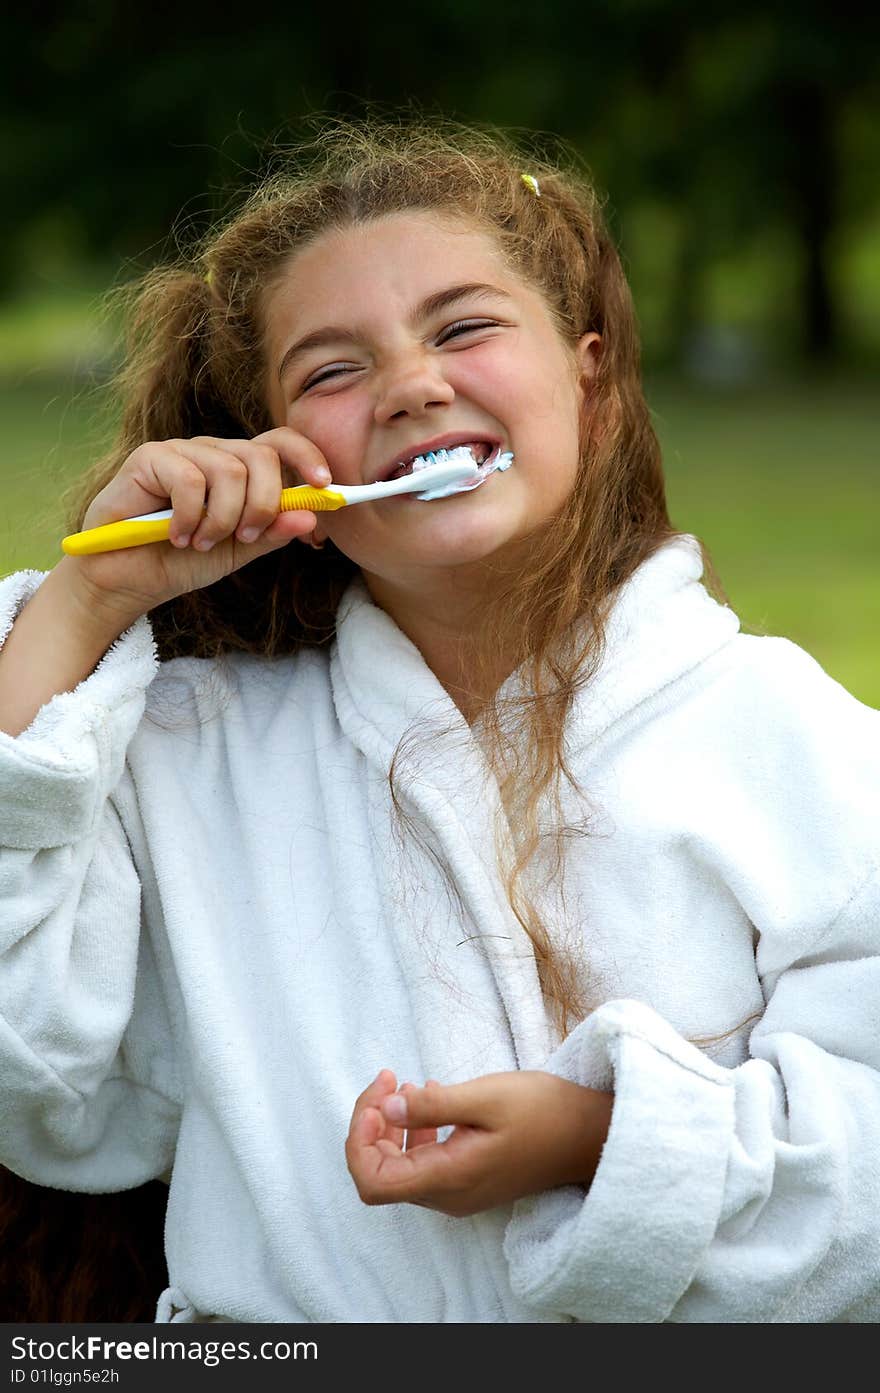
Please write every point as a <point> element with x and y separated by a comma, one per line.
<point>209,278</point>
<point>531,183</point>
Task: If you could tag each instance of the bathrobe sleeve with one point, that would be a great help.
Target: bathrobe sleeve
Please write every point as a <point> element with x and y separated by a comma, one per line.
<point>87,1089</point>
<point>746,1194</point>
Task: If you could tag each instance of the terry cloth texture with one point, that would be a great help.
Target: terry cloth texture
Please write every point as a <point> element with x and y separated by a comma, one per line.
<point>214,935</point>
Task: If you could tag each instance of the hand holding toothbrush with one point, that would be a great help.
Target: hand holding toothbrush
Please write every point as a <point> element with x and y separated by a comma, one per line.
<point>229,492</point>
<point>223,496</point>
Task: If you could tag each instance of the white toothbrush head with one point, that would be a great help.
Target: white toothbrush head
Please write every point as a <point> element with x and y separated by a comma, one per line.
<point>442,474</point>
<point>497,461</point>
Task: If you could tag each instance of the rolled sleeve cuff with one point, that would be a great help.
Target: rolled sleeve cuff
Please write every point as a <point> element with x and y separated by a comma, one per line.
<point>627,1250</point>
<point>55,776</point>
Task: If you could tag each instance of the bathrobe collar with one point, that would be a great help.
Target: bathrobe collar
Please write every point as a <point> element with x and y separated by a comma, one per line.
<point>663,623</point>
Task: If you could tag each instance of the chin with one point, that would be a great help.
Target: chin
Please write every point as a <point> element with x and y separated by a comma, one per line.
<point>461,530</point>
<point>465,536</point>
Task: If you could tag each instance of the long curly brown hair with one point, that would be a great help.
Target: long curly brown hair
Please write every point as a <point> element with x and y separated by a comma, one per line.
<point>66,1257</point>
<point>195,365</point>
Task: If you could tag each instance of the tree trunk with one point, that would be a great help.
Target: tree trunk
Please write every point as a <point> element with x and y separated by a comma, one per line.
<point>809,114</point>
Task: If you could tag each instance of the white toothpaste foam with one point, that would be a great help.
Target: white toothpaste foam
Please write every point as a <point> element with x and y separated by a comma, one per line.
<point>461,452</point>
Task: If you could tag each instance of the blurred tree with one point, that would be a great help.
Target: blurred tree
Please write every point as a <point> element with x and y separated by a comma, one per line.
<point>743,120</point>
<point>119,120</point>
<point>801,69</point>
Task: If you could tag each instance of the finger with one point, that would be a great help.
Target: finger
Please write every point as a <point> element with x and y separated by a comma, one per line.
<point>263,494</point>
<point>162,473</point>
<point>416,1136</point>
<point>419,1136</point>
<point>367,1126</point>
<point>221,491</point>
<point>308,538</point>
<point>300,523</point>
<point>367,1133</point>
<point>227,477</point>
<point>372,1096</point>
<point>299,456</point>
<point>264,484</point>
<point>439,1105</point>
<point>384,1174</point>
<point>371,1099</point>
<point>396,1136</point>
<point>378,1088</point>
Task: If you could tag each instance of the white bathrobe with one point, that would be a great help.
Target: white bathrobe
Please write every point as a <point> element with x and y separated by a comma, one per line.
<point>213,937</point>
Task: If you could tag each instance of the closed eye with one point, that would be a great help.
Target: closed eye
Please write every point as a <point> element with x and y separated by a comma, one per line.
<point>463,326</point>
<point>325,377</point>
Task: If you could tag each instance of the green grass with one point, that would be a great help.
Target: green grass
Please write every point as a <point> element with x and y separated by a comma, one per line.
<point>50,434</point>
<point>782,484</point>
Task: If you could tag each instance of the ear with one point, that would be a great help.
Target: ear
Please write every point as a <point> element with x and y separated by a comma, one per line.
<point>588,351</point>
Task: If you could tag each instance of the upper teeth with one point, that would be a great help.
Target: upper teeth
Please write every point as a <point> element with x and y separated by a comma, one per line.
<point>444,456</point>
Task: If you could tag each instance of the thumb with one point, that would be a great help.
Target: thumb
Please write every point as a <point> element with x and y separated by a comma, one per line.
<point>299,523</point>
<point>295,525</point>
<point>437,1105</point>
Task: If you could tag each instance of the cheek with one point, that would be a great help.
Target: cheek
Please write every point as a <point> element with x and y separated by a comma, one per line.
<point>555,403</point>
<point>333,423</point>
<point>515,382</point>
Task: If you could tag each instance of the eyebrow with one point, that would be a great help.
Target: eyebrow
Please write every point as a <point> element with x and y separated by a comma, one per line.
<point>440,300</point>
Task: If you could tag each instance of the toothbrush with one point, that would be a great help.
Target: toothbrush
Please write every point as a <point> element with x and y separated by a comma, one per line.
<point>434,476</point>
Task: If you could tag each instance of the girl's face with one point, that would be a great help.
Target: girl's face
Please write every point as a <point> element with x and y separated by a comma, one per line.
<point>417,335</point>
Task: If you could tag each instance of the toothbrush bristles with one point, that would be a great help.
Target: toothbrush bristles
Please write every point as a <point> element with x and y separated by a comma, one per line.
<point>439,457</point>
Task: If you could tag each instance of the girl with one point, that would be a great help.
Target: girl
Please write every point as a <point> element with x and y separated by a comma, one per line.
<point>485,797</point>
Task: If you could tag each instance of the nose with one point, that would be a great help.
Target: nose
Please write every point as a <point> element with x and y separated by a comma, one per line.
<point>410,386</point>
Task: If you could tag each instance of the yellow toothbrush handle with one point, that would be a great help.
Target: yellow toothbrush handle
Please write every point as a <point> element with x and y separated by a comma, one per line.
<point>115,535</point>
<point>137,532</point>
<point>316,500</point>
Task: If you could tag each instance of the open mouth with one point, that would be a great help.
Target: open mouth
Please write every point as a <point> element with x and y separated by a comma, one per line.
<point>482,450</point>
<point>495,460</point>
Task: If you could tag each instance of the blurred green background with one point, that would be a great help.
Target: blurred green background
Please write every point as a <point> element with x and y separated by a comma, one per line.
<point>738,148</point>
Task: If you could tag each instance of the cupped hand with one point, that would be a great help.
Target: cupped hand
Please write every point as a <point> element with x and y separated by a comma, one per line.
<point>515,1134</point>
<point>224,495</point>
